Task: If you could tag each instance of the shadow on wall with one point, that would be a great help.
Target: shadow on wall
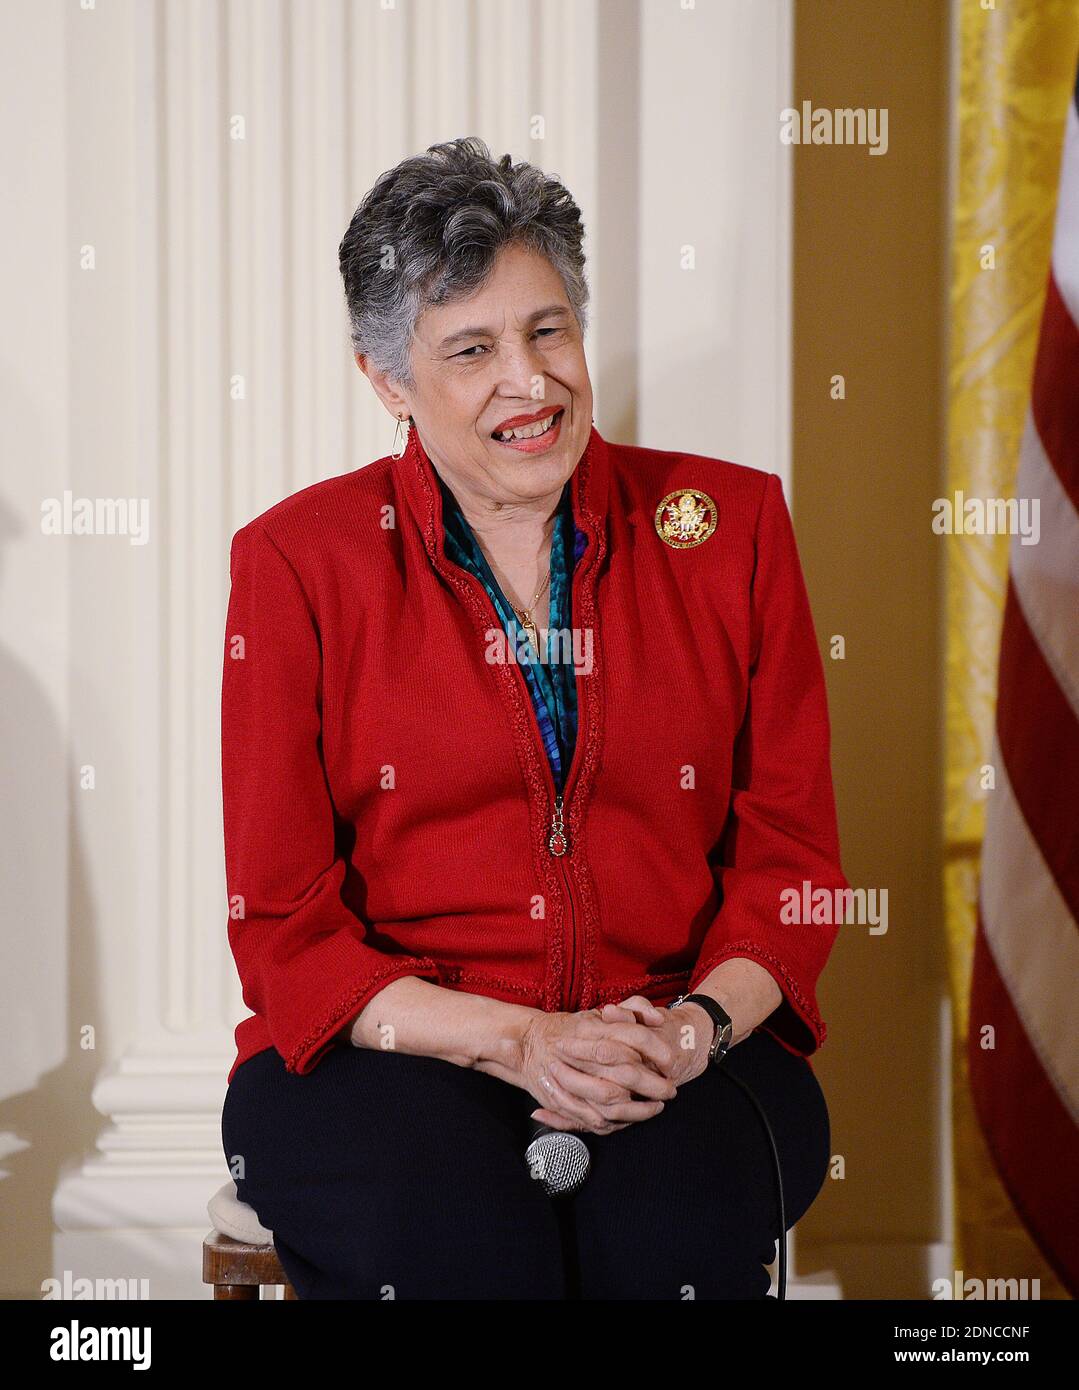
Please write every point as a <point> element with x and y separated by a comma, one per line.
<point>49,984</point>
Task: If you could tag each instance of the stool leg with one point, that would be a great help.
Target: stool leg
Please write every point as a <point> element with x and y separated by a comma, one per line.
<point>236,1293</point>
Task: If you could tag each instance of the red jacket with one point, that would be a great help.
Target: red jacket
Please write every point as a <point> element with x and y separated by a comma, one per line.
<point>387,801</point>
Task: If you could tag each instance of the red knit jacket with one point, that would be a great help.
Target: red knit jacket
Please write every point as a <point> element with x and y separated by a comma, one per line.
<point>387,800</point>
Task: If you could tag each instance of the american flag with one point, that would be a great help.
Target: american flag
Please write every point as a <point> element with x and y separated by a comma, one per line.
<point>1025,978</point>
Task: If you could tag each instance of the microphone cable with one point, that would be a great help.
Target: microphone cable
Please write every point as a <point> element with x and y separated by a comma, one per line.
<point>782,1276</point>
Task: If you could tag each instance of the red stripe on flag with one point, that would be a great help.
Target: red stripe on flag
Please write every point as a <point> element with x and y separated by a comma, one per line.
<point>1030,1134</point>
<point>1039,742</point>
<point>1055,394</point>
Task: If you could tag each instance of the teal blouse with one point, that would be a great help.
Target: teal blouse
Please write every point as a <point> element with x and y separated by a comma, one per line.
<point>550,675</point>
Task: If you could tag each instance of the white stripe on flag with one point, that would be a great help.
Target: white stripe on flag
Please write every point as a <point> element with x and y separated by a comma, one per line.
<point>1066,235</point>
<point>1046,575</point>
<point>1032,935</point>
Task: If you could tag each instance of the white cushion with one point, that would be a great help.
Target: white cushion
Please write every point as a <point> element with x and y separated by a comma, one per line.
<point>236,1219</point>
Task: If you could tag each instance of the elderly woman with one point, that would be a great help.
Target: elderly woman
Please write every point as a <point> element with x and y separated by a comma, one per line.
<point>526,787</point>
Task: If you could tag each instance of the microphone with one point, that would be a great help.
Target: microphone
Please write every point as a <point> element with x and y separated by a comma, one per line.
<point>557,1159</point>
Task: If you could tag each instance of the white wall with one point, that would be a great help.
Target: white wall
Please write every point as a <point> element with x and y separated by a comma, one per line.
<point>67,658</point>
<point>216,258</point>
<point>713,348</point>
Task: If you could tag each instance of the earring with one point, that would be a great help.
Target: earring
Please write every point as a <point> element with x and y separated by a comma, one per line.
<point>397,434</point>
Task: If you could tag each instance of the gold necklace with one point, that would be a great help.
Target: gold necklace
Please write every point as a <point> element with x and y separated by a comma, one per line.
<point>524,615</point>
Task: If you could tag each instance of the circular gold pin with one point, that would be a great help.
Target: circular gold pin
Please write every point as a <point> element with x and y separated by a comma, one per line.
<point>686,517</point>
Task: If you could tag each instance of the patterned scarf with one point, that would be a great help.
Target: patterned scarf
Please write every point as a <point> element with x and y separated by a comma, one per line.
<point>551,681</point>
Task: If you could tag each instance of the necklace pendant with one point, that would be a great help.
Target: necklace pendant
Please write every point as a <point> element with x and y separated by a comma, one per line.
<point>529,624</point>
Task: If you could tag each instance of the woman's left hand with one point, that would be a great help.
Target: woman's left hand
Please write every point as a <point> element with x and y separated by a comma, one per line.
<point>687,1030</point>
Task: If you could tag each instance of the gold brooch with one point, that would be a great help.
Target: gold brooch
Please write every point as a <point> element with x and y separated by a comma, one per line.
<point>686,518</point>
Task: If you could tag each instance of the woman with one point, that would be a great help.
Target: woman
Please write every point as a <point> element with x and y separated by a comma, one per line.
<point>524,736</point>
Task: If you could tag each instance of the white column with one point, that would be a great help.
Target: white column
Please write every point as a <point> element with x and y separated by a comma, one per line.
<point>137,1205</point>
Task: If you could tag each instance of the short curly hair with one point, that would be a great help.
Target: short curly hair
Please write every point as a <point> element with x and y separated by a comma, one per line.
<point>428,232</point>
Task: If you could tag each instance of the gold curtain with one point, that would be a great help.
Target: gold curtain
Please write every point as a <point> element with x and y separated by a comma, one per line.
<point>1015,69</point>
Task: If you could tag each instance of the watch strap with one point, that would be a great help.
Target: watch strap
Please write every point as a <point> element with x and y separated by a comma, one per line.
<point>723,1028</point>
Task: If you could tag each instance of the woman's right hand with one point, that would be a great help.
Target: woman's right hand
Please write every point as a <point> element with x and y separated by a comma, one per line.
<point>628,1090</point>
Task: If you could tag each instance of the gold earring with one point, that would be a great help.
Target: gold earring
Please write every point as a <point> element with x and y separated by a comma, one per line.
<point>397,435</point>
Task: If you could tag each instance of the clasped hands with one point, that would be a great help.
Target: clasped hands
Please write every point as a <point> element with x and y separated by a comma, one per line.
<point>602,1069</point>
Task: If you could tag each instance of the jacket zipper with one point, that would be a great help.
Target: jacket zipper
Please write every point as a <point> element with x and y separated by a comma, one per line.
<point>558,841</point>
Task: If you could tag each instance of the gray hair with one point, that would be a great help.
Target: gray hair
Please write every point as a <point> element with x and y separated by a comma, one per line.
<point>428,232</point>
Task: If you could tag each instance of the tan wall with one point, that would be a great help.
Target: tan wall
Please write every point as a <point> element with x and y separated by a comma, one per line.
<point>870,248</point>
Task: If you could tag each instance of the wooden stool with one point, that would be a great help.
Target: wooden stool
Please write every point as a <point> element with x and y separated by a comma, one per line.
<point>238,1270</point>
<point>238,1256</point>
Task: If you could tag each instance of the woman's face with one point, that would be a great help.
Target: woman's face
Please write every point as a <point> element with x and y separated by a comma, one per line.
<point>513,349</point>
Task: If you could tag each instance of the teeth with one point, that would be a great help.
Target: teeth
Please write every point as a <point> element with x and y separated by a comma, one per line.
<point>532,431</point>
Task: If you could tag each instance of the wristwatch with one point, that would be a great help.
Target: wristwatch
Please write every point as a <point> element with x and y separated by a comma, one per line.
<point>724,1028</point>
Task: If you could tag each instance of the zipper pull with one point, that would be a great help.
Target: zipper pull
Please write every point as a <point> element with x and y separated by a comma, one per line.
<point>558,840</point>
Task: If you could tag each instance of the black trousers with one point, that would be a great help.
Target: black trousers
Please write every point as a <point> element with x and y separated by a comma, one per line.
<point>383,1176</point>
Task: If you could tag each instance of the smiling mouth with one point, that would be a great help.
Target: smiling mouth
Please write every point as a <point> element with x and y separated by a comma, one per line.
<point>536,430</point>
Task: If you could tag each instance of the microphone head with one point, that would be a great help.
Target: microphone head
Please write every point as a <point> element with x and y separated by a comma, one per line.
<point>560,1161</point>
